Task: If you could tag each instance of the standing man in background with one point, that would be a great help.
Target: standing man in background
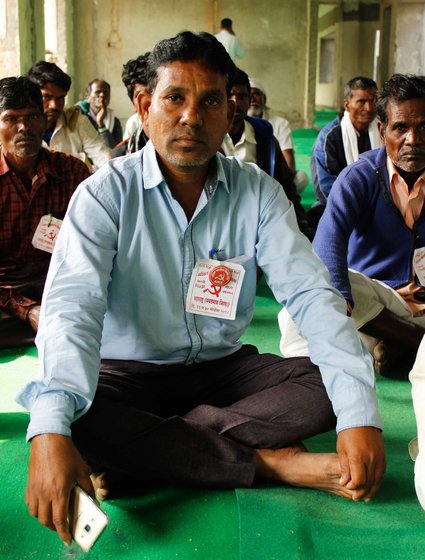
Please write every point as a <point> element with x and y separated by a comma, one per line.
<point>228,39</point>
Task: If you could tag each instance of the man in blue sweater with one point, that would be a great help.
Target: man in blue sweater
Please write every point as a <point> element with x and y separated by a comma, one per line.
<point>372,234</point>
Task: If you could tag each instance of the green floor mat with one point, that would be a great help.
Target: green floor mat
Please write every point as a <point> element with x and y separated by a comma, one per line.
<point>303,145</point>
<point>163,524</point>
<point>304,139</point>
<point>323,116</point>
<point>267,523</point>
<point>280,523</point>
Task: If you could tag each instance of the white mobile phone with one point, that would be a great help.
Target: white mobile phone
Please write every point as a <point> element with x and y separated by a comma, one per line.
<point>86,519</point>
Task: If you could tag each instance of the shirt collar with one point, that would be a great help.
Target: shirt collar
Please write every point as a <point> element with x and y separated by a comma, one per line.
<point>43,167</point>
<point>153,177</point>
<point>248,133</point>
<point>392,171</point>
<point>4,168</point>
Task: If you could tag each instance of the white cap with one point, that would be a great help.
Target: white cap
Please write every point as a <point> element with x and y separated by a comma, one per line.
<point>257,85</point>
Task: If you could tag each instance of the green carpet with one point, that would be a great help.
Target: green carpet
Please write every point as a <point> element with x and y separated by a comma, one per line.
<point>304,524</point>
<point>163,524</point>
<point>267,523</point>
<point>303,142</point>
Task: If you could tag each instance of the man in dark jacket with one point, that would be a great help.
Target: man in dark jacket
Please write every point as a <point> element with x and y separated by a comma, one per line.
<point>333,149</point>
<point>251,140</point>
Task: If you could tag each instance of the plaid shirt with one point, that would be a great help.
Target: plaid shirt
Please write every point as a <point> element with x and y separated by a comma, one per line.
<point>56,178</point>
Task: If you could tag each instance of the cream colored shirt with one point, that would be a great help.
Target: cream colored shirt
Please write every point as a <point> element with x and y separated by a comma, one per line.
<point>281,129</point>
<point>245,149</point>
<point>74,134</point>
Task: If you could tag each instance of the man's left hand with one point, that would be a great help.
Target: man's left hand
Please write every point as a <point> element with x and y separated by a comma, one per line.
<point>361,455</point>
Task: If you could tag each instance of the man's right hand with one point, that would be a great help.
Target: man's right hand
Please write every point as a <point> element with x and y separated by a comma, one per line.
<point>55,467</point>
<point>100,117</point>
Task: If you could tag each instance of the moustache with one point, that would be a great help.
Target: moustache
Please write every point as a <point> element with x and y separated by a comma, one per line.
<point>21,137</point>
<point>412,152</point>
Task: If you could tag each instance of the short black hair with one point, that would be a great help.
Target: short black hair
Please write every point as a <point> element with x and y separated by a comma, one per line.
<point>18,93</point>
<point>135,71</point>
<point>226,23</point>
<point>400,87</point>
<point>189,47</point>
<point>42,73</point>
<point>359,82</point>
<point>241,78</point>
<point>89,85</point>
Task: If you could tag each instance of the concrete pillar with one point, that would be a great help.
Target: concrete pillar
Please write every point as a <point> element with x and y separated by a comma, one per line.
<point>409,40</point>
<point>31,32</point>
<point>310,79</point>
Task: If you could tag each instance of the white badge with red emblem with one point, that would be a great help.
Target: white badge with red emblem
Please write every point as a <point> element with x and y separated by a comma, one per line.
<point>214,288</point>
<point>46,233</point>
<point>419,264</point>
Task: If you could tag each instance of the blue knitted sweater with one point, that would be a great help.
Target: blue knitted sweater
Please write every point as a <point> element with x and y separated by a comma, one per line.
<point>362,229</point>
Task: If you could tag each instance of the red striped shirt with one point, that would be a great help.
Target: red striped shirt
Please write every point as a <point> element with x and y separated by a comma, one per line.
<point>56,178</point>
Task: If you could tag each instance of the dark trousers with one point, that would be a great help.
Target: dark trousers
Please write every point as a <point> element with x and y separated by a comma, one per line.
<point>198,424</point>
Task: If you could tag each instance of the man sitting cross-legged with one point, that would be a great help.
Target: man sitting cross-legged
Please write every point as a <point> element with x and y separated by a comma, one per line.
<point>35,188</point>
<point>153,280</point>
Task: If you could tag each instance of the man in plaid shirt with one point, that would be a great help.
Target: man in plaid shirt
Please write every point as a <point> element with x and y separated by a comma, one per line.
<point>34,183</point>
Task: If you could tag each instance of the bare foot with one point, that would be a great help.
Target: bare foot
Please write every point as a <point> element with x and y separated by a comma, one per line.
<point>100,485</point>
<point>296,467</point>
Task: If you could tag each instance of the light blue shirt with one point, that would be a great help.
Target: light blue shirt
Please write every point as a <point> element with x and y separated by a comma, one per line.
<point>120,273</point>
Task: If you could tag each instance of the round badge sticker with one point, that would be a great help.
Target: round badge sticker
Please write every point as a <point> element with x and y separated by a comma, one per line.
<point>220,275</point>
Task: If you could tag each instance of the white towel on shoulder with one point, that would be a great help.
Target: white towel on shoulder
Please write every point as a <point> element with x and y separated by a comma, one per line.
<point>350,137</point>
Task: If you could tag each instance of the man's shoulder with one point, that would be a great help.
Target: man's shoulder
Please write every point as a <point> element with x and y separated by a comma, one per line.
<point>223,33</point>
<point>240,174</point>
<point>120,169</point>
<point>329,137</point>
<point>369,162</point>
<point>59,161</point>
<point>263,129</point>
<point>333,128</point>
<point>375,158</point>
<point>70,117</point>
<point>363,173</point>
<point>275,119</point>
<point>83,106</point>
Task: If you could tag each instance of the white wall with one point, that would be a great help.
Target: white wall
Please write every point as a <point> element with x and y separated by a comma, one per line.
<point>274,34</point>
<point>410,44</point>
